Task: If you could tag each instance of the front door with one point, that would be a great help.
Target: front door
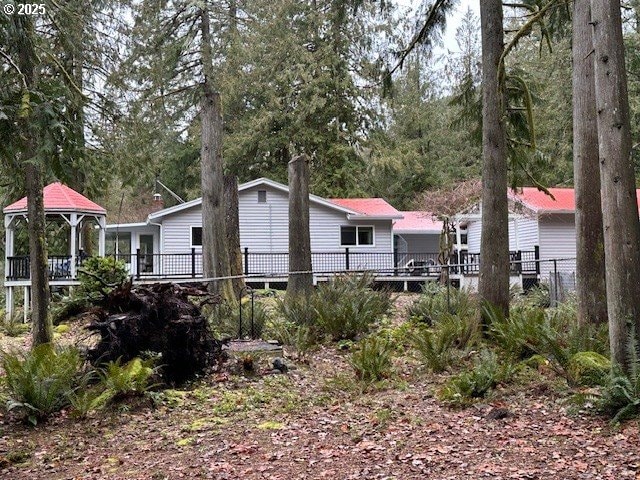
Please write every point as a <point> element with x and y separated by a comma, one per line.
<point>146,250</point>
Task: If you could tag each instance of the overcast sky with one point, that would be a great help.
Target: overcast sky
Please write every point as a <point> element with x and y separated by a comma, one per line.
<point>454,21</point>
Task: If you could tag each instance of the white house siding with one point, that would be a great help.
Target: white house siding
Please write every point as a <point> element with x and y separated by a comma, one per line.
<point>523,234</point>
<point>528,237</point>
<point>473,236</point>
<point>264,229</point>
<point>557,241</point>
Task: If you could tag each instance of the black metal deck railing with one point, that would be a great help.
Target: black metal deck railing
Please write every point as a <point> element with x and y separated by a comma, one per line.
<point>268,264</point>
<point>19,267</point>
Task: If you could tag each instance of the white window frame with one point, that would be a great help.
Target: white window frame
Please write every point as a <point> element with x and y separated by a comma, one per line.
<point>357,227</point>
<point>191,227</point>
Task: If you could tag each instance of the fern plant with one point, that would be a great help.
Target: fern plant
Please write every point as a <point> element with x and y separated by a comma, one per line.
<point>121,380</point>
<point>437,346</point>
<point>620,396</point>
<point>40,381</point>
<point>347,307</point>
<point>372,361</point>
<point>486,373</point>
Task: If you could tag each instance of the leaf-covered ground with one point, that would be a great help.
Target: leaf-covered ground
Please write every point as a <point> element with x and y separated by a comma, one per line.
<point>316,422</point>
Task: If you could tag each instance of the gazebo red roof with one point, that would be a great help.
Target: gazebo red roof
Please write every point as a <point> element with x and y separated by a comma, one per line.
<point>60,198</point>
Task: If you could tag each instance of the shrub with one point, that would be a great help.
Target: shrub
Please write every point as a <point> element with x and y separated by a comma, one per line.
<point>372,360</point>
<point>40,381</point>
<point>433,303</point>
<point>486,373</point>
<point>99,275</point>
<point>347,307</point>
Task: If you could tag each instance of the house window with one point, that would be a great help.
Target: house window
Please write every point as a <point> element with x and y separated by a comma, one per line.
<point>196,236</point>
<point>262,196</point>
<point>356,236</point>
<point>118,244</point>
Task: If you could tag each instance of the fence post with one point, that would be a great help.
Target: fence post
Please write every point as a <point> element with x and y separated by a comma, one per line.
<point>346,258</point>
<point>536,254</point>
<point>138,263</point>
<point>193,262</point>
<point>246,260</point>
<point>519,262</point>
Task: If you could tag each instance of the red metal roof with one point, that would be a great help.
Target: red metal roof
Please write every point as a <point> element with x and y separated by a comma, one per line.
<point>418,222</point>
<point>538,201</point>
<point>367,206</point>
<point>60,198</point>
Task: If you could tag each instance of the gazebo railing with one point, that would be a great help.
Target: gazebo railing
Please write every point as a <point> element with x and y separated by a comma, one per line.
<point>19,267</point>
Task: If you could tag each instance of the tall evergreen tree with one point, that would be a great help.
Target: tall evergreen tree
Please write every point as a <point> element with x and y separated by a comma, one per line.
<point>590,264</point>
<point>493,284</point>
<point>619,202</point>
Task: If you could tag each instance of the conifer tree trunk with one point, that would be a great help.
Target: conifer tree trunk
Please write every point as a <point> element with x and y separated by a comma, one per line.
<point>299,236</point>
<point>493,284</point>
<point>233,231</point>
<point>619,203</point>
<point>590,276</point>
<point>42,328</point>
<point>215,253</point>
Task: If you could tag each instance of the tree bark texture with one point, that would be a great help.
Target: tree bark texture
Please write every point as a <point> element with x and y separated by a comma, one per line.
<point>215,253</point>
<point>299,236</point>
<point>493,285</point>
<point>618,190</point>
<point>590,275</point>
<point>233,231</point>
<point>42,328</point>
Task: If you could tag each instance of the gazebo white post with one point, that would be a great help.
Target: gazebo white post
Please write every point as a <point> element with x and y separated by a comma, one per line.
<point>74,235</point>
<point>9,302</point>
<point>8,242</point>
<point>102,223</point>
<point>8,252</point>
<point>26,301</point>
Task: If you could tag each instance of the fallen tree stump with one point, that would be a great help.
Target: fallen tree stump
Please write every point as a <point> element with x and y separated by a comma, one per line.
<point>157,318</point>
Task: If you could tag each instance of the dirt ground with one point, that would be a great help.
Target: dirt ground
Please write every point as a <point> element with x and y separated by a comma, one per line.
<point>317,422</point>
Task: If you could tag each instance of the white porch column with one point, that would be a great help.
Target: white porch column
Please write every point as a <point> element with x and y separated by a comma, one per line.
<point>73,221</point>
<point>102,223</point>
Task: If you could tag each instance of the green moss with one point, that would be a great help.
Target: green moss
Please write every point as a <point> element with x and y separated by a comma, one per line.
<point>589,368</point>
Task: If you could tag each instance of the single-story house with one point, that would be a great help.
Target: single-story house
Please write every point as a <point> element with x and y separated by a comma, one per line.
<point>538,223</point>
<point>345,234</point>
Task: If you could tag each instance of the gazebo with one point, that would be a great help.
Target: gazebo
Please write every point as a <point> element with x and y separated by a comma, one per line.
<point>61,203</point>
